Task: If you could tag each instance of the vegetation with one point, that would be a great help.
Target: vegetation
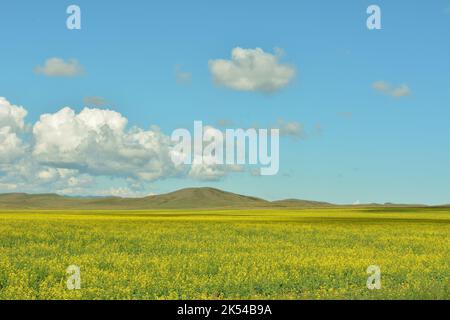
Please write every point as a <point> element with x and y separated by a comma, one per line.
<point>191,198</point>
<point>226,254</point>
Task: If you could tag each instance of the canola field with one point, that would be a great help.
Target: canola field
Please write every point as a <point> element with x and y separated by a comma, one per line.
<point>229,254</point>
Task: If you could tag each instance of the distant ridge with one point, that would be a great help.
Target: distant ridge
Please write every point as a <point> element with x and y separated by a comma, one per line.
<point>190,198</point>
<point>295,203</point>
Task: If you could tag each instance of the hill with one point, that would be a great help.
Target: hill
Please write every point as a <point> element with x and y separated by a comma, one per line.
<point>38,201</point>
<point>296,203</point>
<point>205,198</point>
<point>191,198</point>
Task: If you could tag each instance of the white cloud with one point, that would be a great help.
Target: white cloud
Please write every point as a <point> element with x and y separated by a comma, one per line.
<point>96,142</point>
<point>11,125</point>
<point>66,152</point>
<point>95,101</point>
<point>290,128</point>
<point>252,70</point>
<point>56,67</point>
<point>207,167</point>
<point>8,186</point>
<point>401,91</point>
<point>27,175</point>
<point>121,192</point>
<point>206,172</point>
<point>11,146</point>
<point>11,116</point>
<point>182,77</point>
<point>387,89</point>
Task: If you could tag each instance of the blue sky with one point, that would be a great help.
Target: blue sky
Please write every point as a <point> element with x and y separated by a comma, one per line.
<point>371,146</point>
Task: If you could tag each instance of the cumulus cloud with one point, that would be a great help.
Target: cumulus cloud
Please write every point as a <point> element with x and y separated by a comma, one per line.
<point>11,126</point>
<point>56,67</point>
<point>387,89</point>
<point>11,146</point>
<point>12,116</point>
<point>96,142</point>
<point>65,152</point>
<point>206,172</point>
<point>27,175</point>
<point>206,166</point>
<point>252,70</point>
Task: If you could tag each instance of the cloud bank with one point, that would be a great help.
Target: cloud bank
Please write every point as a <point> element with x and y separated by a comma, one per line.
<point>66,151</point>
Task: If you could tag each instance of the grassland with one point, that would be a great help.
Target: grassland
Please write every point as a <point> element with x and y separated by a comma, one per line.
<point>267,253</point>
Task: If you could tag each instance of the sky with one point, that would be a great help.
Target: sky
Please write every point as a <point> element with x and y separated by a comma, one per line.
<point>363,114</point>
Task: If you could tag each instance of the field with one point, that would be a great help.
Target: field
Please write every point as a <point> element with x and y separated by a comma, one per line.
<point>234,254</point>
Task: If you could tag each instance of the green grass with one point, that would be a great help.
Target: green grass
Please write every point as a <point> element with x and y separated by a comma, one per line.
<point>253,254</point>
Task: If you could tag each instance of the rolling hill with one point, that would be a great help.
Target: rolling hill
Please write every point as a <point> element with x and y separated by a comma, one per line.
<point>191,198</point>
<point>296,203</point>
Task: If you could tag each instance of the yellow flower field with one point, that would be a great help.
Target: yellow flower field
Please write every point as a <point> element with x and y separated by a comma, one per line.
<point>253,254</point>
